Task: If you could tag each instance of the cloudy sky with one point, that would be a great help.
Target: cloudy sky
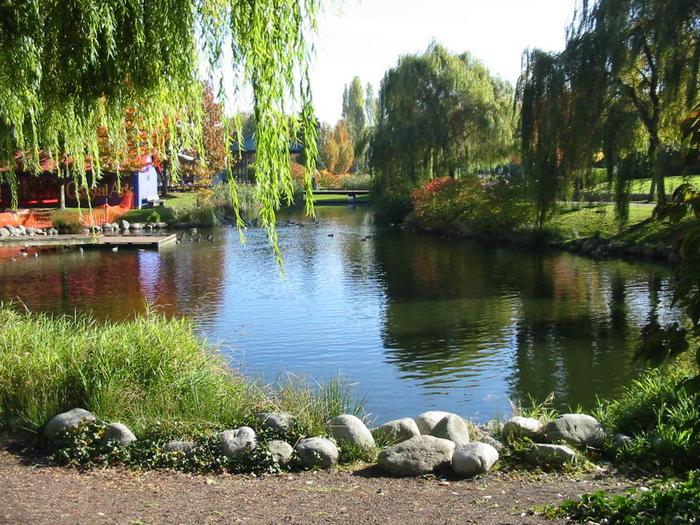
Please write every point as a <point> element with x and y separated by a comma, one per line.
<point>366,37</point>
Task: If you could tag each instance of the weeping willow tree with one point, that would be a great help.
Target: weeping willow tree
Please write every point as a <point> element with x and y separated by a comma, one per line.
<point>80,77</point>
<point>438,114</point>
<point>620,87</point>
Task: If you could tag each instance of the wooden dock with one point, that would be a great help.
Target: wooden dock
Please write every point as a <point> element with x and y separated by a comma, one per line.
<point>91,241</point>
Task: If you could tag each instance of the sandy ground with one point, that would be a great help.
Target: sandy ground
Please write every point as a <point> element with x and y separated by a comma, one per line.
<point>36,494</point>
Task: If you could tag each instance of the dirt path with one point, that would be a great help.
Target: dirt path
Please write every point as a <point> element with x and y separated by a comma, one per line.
<point>31,494</point>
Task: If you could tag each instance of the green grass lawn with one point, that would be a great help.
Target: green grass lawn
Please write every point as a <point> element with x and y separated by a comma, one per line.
<point>574,222</point>
<point>321,199</point>
<point>644,185</point>
<point>173,201</point>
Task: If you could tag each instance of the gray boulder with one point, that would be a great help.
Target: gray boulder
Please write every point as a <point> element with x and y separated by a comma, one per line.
<point>235,442</point>
<point>490,440</point>
<point>280,421</point>
<point>136,226</point>
<point>427,420</point>
<point>452,427</point>
<point>178,446</point>
<point>118,433</point>
<point>280,452</point>
<point>4,232</point>
<point>576,429</point>
<point>544,454</point>
<point>416,456</point>
<point>65,421</point>
<point>124,224</point>
<point>522,427</point>
<point>397,430</point>
<point>474,458</point>
<point>317,452</point>
<point>350,429</point>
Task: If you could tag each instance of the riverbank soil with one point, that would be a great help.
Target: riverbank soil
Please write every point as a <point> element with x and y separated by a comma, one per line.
<point>32,493</point>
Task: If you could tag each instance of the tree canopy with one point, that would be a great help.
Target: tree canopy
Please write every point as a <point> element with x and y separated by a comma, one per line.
<point>72,70</point>
<point>439,114</point>
<point>622,85</point>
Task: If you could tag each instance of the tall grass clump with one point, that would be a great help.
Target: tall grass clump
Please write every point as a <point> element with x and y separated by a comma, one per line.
<point>662,417</point>
<point>142,372</point>
<point>314,404</point>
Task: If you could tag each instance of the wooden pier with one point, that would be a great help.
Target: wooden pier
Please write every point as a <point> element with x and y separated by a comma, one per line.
<point>91,241</point>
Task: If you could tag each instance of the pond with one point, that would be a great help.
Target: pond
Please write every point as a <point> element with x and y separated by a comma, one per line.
<point>417,322</point>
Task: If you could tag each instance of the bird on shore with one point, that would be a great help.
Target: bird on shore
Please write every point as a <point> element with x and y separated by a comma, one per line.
<point>210,238</point>
<point>115,249</point>
<point>80,250</point>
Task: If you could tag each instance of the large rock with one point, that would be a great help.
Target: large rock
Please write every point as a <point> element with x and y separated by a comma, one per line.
<point>351,430</point>
<point>522,427</point>
<point>555,455</point>
<point>490,440</point>
<point>124,224</point>
<point>4,232</point>
<point>416,456</point>
<point>427,420</point>
<point>280,421</point>
<point>178,446</point>
<point>577,429</point>
<point>452,427</point>
<point>118,433</point>
<point>474,458</point>
<point>65,421</point>
<point>236,442</point>
<point>396,431</point>
<point>317,452</point>
<point>280,452</point>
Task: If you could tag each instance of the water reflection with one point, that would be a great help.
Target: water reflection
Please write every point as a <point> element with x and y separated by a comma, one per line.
<point>418,322</point>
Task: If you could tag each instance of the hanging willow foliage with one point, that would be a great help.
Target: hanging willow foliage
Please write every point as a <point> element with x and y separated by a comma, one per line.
<point>81,77</point>
<point>621,87</point>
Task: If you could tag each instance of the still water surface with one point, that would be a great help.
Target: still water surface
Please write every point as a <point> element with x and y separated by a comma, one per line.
<point>418,322</point>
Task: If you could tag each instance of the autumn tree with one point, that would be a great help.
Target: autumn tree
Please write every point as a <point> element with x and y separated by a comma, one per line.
<point>211,158</point>
<point>69,69</point>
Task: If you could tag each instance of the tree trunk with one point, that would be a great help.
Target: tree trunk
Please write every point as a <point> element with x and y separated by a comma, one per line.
<point>164,176</point>
<point>62,195</point>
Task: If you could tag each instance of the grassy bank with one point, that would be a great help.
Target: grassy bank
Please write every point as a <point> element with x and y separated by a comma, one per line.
<point>148,373</point>
<point>644,185</point>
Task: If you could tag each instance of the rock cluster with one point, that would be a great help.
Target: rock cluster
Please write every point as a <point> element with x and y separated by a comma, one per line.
<point>23,231</point>
<point>432,442</point>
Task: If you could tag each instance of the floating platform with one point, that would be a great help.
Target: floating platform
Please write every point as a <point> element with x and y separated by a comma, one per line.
<point>91,241</point>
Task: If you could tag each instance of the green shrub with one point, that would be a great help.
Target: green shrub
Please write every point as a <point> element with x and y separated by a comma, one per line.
<point>662,417</point>
<point>153,217</point>
<point>666,503</point>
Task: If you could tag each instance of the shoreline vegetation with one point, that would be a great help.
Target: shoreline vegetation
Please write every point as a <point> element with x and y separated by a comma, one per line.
<point>158,397</point>
<point>491,212</point>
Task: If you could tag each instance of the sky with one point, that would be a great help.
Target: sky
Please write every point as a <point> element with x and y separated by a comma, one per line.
<point>367,37</point>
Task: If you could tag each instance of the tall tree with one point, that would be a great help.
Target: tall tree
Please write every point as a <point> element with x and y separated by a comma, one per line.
<point>370,105</point>
<point>69,69</point>
<point>439,114</point>
<point>354,108</point>
<point>211,158</point>
<point>629,69</point>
